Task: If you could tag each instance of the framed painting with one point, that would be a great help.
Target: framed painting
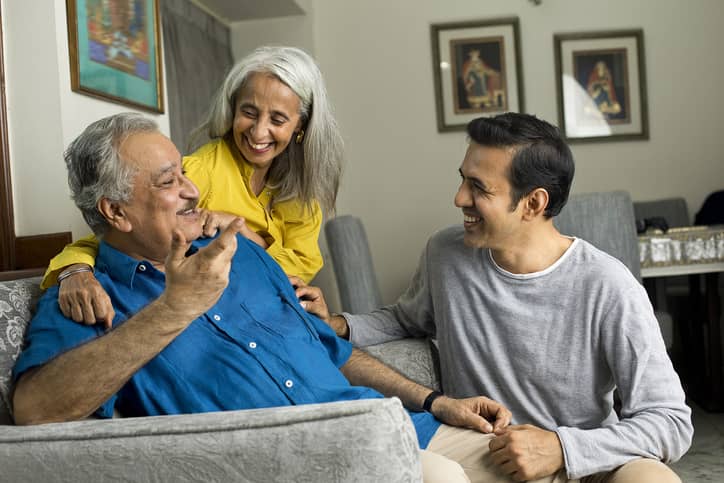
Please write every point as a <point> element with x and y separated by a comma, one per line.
<point>477,70</point>
<point>601,82</point>
<point>114,51</point>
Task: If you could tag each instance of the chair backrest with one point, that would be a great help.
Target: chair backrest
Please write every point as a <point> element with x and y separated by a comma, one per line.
<point>712,211</point>
<point>352,262</point>
<point>673,210</point>
<point>606,220</point>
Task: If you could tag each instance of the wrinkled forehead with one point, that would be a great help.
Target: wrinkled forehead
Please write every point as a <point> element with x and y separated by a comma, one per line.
<point>151,152</point>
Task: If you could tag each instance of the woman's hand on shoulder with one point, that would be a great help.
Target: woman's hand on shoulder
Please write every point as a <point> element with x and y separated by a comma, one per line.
<point>213,222</point>
<point>82,298</point>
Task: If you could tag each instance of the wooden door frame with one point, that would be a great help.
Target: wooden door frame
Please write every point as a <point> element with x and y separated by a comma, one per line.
<point>24,252</point>
<point>7,220</point>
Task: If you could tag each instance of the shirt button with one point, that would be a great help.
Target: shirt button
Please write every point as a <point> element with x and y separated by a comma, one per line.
<point>217,317</point>
<point>142,268</point>
<point>288,383</point>
<point>252,345</point>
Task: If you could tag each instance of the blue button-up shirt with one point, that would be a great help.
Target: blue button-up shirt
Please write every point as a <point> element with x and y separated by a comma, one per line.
<point>256,347</point>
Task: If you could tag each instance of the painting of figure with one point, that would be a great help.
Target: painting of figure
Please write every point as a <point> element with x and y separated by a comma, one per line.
<point>478,69</point>
<point>117,35</point>
<point>604,77</point>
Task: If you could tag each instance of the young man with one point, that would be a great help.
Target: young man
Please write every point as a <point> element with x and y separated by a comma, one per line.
<point>546,324</point>
<point>200,325</point>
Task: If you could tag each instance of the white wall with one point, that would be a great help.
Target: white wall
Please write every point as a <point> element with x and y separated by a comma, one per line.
<point>401,173</point>
<point>296,30</point>
<point>44,115</point>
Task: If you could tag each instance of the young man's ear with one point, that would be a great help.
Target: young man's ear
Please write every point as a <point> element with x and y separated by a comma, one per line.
<point>114,214</point>
<point>536,203</point>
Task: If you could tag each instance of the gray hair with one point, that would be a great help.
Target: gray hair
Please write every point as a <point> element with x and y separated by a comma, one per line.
<point>309,171</point>
<point>95,167</point>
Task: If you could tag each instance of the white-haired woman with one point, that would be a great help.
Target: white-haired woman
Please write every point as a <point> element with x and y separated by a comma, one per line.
<point>274,157</point>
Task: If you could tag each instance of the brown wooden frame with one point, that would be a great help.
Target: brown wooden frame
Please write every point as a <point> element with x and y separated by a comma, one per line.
<point>559,40</point>
<point>7,221</point>
<point>75,75</point>
<point>473,29</point>
<point>28,254</point>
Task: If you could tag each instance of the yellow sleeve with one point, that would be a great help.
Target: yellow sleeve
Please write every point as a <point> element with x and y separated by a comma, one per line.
<point>298,251</point>
<point>83,250</point>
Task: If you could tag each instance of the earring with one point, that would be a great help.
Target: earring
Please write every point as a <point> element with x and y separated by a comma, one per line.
<point>300,136</point>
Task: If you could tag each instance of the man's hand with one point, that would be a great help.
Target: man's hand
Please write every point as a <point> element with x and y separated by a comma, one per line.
<point>194,284</point>
<point>473,412</point>
<point>215,221</point>
<point>526,452</point>
<point>82,299</point>
<point>312,300</point>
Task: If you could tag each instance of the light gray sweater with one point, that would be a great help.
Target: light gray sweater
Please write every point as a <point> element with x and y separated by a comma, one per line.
<point>552,346</point>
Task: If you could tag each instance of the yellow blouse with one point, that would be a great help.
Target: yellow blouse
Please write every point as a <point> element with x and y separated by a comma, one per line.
<point>223,180</point>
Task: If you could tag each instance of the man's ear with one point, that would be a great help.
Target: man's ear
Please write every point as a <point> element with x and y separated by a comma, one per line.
<point>536,203</point>
<point>114,214</point>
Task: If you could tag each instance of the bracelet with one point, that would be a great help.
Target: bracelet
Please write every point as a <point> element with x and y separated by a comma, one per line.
<point>67,274</point>
<point>427,405</point>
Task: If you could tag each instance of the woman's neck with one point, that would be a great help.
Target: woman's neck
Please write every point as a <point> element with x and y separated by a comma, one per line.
<point>258,180</point>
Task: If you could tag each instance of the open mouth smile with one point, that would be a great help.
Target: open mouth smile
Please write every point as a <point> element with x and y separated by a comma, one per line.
<point>259,147</point>
<point>471,220</point>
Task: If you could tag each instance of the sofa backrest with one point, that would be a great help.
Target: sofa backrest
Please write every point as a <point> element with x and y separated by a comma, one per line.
<point>17,301</point>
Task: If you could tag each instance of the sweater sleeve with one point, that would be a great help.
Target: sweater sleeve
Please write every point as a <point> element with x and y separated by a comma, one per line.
<point>83,250</point>
<point>654,422</point>
<point>411,316</point>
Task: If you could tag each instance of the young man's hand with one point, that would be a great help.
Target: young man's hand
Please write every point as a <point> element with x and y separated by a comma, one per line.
<point>526,452</point>
<point>312,300</point>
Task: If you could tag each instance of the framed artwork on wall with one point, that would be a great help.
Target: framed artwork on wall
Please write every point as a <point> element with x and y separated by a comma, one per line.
<point>601,83</point>
<point>477,70</point>
<point>115,52</point>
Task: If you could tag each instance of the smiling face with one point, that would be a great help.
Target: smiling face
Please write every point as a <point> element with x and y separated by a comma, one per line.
<point>163,199</point>
<point>266,117</point>
<point>485,198</point>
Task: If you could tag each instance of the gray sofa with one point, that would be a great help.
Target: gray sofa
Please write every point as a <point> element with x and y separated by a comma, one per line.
<point>371,440</point>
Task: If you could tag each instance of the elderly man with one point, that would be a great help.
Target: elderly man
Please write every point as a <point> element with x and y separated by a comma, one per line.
<point>200,325</point>
<point>544,323</point>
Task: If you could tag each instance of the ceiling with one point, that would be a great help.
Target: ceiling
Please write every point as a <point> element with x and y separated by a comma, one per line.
<point>238,10</point>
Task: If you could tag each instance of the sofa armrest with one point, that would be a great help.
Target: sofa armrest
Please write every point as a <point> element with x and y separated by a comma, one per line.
<point>414,358</point>
<point>367,440</point>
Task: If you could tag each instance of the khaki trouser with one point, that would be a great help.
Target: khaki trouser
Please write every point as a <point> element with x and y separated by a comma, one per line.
<point>456,454</point>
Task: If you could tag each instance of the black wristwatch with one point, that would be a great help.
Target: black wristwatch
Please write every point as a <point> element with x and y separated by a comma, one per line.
<point>427,405</point>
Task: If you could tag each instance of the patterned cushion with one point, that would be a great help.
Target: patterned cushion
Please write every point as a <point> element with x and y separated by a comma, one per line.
<point>415,358</point>
<point>17,298</point>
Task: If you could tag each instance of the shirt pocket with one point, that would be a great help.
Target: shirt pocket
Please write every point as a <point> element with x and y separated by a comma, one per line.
<point>278,316</point>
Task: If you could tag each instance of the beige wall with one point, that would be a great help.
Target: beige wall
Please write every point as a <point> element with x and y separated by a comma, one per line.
<point>401,173</point>
<point>296,30</point>
<point>44,115</point>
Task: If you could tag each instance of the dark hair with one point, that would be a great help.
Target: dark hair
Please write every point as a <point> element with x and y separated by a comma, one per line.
<point>541,157</point>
